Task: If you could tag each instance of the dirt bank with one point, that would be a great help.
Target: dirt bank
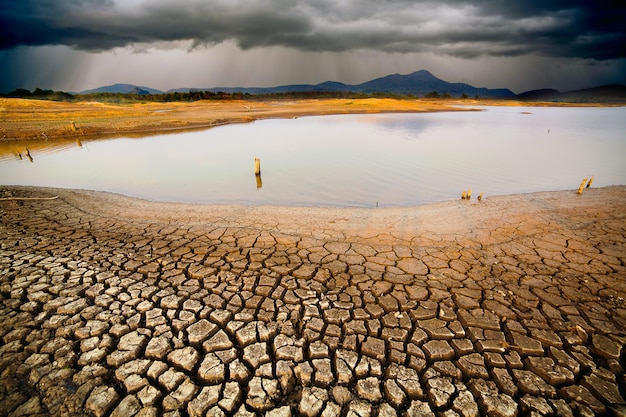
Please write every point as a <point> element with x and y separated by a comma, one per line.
<point>110,305</point>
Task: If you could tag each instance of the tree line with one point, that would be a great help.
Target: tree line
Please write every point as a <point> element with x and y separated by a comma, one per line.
<point>197,95</point>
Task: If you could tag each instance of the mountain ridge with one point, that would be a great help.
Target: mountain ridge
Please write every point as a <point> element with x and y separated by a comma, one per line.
<point>123,89</point>
<point>419,83</point>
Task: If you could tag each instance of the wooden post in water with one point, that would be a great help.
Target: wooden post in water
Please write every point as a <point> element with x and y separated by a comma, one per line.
<point>590,182</point>
<point>257,172</point>
<point>582,185</point>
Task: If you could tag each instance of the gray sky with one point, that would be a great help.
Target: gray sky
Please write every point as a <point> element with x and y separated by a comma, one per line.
<point>74,45</point>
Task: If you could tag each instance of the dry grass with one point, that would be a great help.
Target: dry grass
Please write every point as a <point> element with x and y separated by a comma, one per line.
<point>33,119</point>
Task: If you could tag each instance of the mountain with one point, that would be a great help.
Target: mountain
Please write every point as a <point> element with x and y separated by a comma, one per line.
<point>418,83</point>
<point>614,93</point>
<point>538,95</point>
<point>123,89</point>
<point>423,82</point>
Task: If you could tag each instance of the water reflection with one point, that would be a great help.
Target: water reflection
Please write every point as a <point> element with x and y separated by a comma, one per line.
<point>356,160</point>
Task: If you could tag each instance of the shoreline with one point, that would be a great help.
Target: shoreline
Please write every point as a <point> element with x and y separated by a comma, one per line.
<point>44,121</point>
<point>453,219</point>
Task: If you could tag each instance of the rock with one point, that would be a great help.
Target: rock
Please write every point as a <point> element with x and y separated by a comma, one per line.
<point>312,401</point>
<point>219,341</point>
<point>208,396</point>
<point>170,379</point>
<point>129,406</point>
<point>132,341</point>
<point>374,348</point>
<point>256,354</point>
<point>604,390</point>
<point>138,367</point>
<point>148,412</point>
<point>407,379</point>
<point>526,346</point>
<point>101,400</point>
<point>369,389</point>
<point>212,370</point>
<point>323,372</point>
<point>284,411</point>
<point>149,396</point>
<point>200,331</point>
<point>473,366</point>
<point>582,395</point>
<point>262,393</point>
<point>490,401</point>
<point>438,350</point>
<point>538,405</point>
<point>185,358</point>
<point>552,373</point>
<point>31,407</point>
<point>464,404</point>
<point>532,384</point>
<point>230,397</point>
<point>158,348</point>
<point>606,347</point>
<point>419,409</point>
<point>360,409</point>
<point>439,391</point>
<point>331,410</point>
<point>385,410</point>
<point>179,398</point>
<point>247,334</point>
<point>504,381</point>
<point>134,383</point>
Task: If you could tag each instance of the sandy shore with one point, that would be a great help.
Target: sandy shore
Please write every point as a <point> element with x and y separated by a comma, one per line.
<point>493,218</point>
<point>111,305</point>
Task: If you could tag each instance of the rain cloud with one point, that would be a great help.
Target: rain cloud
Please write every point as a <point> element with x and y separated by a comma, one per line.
<point>460,28</point>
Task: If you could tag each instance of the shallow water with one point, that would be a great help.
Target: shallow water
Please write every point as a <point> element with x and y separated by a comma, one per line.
<point>348,160</point>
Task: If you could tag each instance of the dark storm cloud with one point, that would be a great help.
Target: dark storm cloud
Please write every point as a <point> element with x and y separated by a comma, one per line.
<point>460,28</point>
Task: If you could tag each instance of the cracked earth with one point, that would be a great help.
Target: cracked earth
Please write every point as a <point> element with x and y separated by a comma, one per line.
<point>514,306</point>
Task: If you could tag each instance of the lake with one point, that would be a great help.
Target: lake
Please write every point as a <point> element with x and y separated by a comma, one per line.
<point>347,160</point>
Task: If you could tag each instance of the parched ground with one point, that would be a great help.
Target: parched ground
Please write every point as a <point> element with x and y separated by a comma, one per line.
<point>41,120</point>
<point>510,306</point>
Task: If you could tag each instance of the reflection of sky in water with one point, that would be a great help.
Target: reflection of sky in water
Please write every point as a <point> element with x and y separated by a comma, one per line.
<point>355,160</point>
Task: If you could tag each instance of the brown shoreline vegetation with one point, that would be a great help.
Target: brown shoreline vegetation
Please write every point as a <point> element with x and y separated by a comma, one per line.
<point>44,120</point>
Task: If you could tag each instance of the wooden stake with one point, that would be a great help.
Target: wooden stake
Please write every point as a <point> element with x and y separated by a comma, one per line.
<point>480,196</point>
<point>463,195</point>
<point>469,194</point>
<point>257,166</point>
<point>590,182</point>
<point>582,185</point>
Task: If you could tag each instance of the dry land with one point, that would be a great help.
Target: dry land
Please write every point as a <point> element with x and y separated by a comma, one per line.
<point>38,119</point>
<point>45,120</point>
<point>511,306</point>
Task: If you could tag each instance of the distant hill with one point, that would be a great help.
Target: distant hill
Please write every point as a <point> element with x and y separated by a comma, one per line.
<point>418,83</point>
<point>423,82</point>
<point>123,89</point>
<point>615,93</point>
